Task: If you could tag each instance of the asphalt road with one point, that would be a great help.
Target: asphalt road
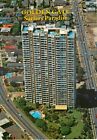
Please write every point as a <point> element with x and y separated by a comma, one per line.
<point>93,113</point>
<point>83,43</point>
<point>22,121</point>
<point>88,66</point>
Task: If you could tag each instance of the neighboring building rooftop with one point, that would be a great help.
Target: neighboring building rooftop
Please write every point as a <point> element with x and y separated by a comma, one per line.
<point>91,1</point>
<point>60,107</point>
<point>18,79</point>
<point>2,5</point>
<point>91,5</point>
<point>5,30</point>
<point>7,25</point>
<point>59,2</point>
<point>15,65</point>
<point>1,133</point>
<point>12,59</point>
<point>4,121</point>
<point>10,47</point>
<point>5,20</point>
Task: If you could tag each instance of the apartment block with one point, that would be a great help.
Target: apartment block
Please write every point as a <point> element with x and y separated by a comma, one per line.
<point>49,64</point>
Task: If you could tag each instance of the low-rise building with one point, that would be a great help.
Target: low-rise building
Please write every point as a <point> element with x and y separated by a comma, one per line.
<point>18,80</point>
<point>4,121</point>
<point>15,65</point>
<point>10,48</point>
<point>5,20</point>
<point>5,30</point>
<point>2,131</point>
<point>91,5</point>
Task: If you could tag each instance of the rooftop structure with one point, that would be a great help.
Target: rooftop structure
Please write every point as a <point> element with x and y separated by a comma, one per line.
<point>17,80</point>
<point>5,30</point>
<point>1,133</point>
<point>4,121</point>
<point>5,20</point>
<point>59,2</point>
<point>91,5</point>
<point>15,65</point>
<point>10,47</point>
<point>61,107</point>
<point>12,59</point>
<point>51,29</point>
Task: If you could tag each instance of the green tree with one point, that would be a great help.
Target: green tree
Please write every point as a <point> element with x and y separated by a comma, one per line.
<point>2,14</point>
<point>20,45</point>
<point>35,4</point>
<point>67,122</point>
<point>96,65</point>
<point>16,29</point>
<point>21,102</point>
<point>28,3</point>
<point>42,124</point>
<point>20,3</point>
<point>6,82</point>
<point>49,3</point>
<point>80,73</point>
<point>37,105</point>
<point>71,122</point>
<point>27,108</point>
<point>14,84</point>
<point>65,130</point>
<point>54,130</point>
<point>8,3</point>
<point>53,127</point>
<point>86,128</point>
<point>43,3</point>
<point>55,117</point>
<point>30,104</point>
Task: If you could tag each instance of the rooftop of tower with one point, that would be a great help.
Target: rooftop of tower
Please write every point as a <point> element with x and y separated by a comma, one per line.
<point>51,29</point>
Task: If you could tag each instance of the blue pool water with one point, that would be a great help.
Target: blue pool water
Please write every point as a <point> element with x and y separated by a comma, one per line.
<point>8,75</point>
<point>35,114</point>
<point>25,28</point>
<point>71,34</point>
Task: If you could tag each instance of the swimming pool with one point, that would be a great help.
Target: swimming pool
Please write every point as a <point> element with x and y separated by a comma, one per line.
<point>8,75</point>
<point>36,114</point>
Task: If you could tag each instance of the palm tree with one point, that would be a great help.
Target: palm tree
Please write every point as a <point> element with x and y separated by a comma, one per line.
<point>49,2</point>
<point>28,3</point>
<point>43,3</point>
<point>34,3</point>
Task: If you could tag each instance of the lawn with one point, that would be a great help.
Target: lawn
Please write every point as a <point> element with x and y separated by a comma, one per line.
<point>76,130</point>
<point>56,121</point>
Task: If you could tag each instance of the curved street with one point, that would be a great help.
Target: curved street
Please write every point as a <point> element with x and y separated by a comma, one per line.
<point>21,120</point>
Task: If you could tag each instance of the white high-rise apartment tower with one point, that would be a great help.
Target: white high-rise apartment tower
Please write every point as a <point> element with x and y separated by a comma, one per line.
<point>49,64</point>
